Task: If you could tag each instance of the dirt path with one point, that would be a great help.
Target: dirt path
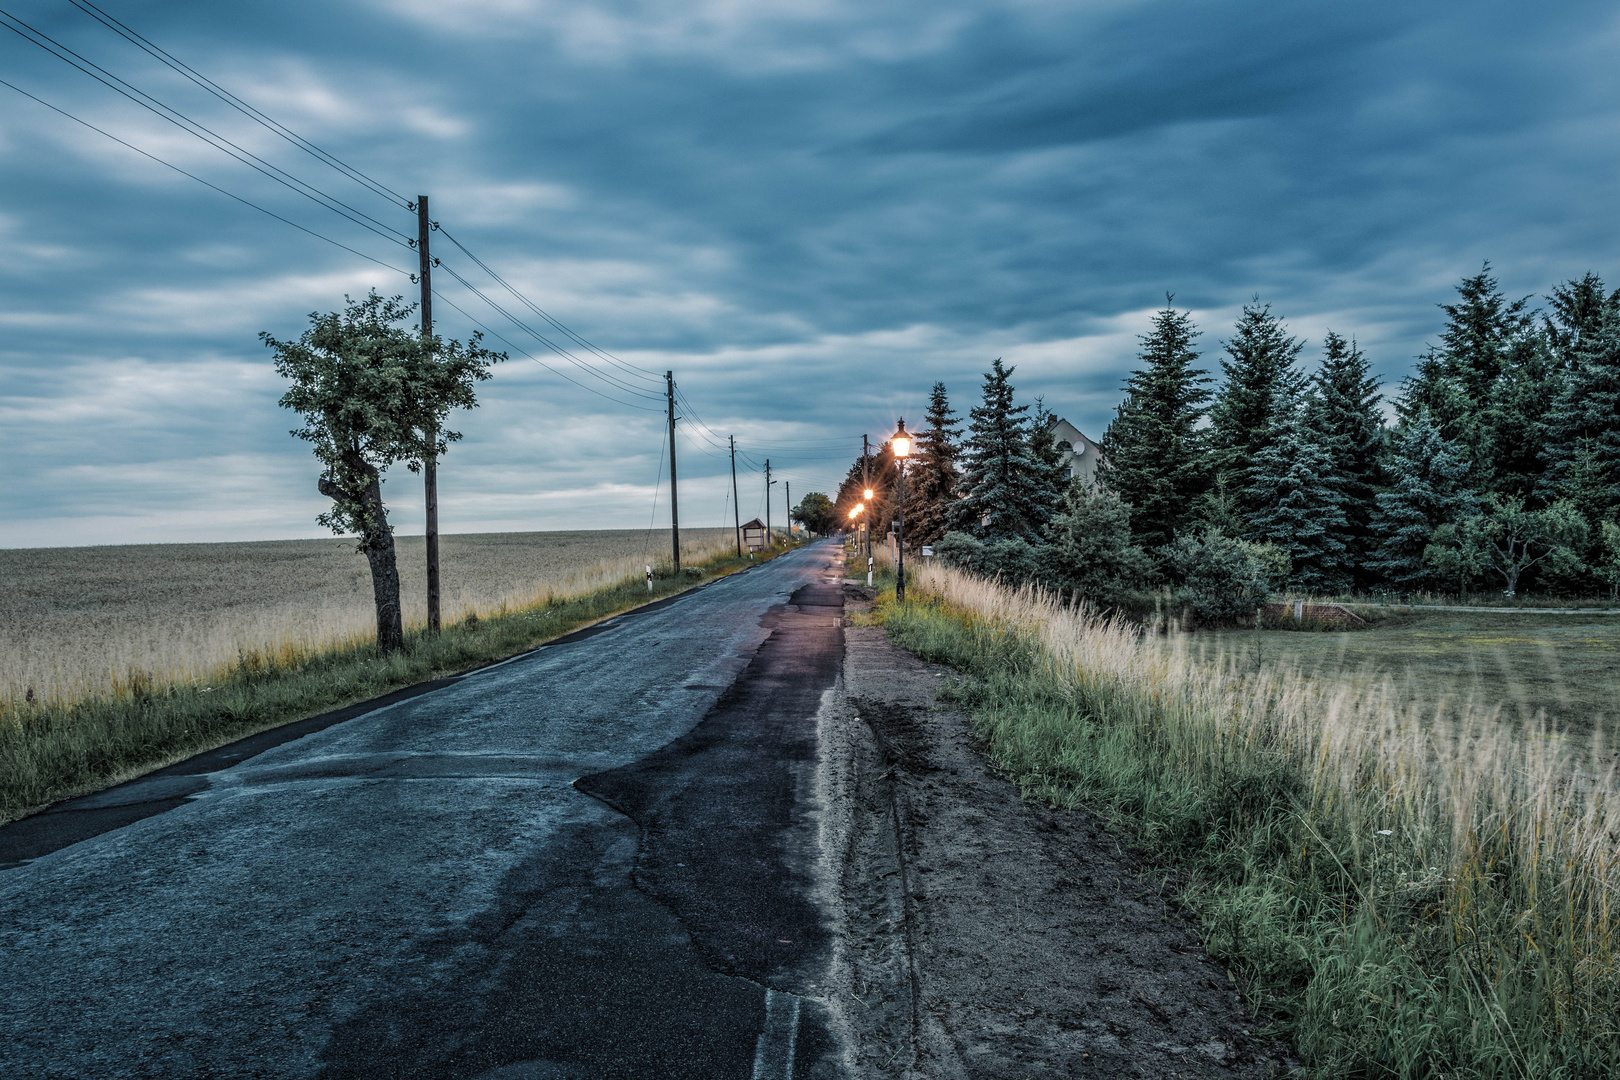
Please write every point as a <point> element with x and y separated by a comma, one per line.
<point>987,937</point>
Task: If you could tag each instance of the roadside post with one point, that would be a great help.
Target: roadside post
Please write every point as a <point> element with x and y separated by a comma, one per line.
<point>649,579</point>
<point>902,450</point>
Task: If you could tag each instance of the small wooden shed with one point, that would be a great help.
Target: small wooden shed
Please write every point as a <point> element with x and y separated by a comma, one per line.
<point>754,535</point>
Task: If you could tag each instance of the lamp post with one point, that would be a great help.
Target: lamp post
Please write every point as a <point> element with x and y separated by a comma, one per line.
<point>859,509</point>
<point>901,443</point>
<point>867,495</point>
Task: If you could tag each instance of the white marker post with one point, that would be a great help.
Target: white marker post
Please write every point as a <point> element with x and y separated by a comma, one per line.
<point>649,579</point>
<point>869,571</point>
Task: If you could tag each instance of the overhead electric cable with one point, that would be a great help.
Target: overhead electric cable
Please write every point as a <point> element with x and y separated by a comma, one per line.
<point>132,36</point>
<point>530,356</point>
<point>470,287</point>
<point>200,131</point>
<point>628,367</point>
<point>204,183</point>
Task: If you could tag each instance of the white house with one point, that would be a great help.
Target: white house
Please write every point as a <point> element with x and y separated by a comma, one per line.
<point>1080,454</point>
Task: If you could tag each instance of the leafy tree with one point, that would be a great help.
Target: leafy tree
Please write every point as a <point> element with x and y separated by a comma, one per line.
<point>1260,371</point>
<point>1220,579</point>
<point>1299,501</point>
<point>1426,491</point>
<point>351,376</point>
<point>1506,539</point>
<point>1004,489</point>
<point>1343,411</point>
<point>1152,454</point>
<point>1091,551</point>
<point>1582,429</point>
<point>931,478</point>
<point>815,512</point>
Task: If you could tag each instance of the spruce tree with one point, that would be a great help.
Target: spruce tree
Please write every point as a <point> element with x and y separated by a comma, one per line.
<point>931,478</point>
<point>1457,380</point>
<point>1260,369</point>
<point>1344,413</point>
<point>1003,490</point>
<point>1152,454</point>
<point>1051,476</point>
<point>1582,428</point>
<point>1298,501</point>
<point>1427,489</point>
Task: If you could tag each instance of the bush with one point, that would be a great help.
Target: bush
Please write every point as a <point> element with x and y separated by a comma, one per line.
<point>1091,551</point>
<point>1219,579</point>
<point>1013,561</point>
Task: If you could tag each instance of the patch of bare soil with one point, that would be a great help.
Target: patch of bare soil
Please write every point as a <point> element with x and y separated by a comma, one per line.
<point>983,936</point>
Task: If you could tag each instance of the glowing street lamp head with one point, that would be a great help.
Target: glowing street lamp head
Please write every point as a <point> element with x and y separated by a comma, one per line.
<point>853,512</point>
<point>901,442</point>
<point>869,494</point>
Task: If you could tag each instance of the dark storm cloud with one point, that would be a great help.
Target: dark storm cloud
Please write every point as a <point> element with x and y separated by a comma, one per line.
<point>810,210</point>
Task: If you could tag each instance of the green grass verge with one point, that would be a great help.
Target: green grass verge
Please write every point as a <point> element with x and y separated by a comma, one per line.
<point>1346,942</point>
<point>49,753</point>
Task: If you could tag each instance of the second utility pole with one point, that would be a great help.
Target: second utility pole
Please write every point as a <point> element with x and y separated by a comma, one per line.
<point>430,464</point>
<point>768,483</point>
<point>736,512</point>
<point>674,505</point>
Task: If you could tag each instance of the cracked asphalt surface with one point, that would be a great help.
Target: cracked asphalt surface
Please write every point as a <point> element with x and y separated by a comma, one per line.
<point>421,890</point>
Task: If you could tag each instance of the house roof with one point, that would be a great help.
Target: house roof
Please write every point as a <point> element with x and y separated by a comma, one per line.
<point>755,524</point>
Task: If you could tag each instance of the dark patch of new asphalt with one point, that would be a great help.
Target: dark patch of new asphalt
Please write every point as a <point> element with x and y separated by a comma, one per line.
<point>592,861</point>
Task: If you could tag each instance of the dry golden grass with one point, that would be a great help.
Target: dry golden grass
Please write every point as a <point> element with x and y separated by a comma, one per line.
<point>1482,863</point>
<point>84,622</point>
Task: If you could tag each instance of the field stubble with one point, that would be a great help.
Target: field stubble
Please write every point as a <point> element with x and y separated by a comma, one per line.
<point>80,623</point>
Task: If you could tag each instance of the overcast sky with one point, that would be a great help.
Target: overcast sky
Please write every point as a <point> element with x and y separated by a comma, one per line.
<point>810,210</point>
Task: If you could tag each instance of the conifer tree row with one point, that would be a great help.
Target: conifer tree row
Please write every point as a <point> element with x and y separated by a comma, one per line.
<point>1501,470</point>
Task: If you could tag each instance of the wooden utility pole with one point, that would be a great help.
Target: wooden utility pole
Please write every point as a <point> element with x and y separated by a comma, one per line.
<point>768,483</point>
<point>430,463</point>
<point>674,504</point>
<point>736,511</point>
<point>787,489</point>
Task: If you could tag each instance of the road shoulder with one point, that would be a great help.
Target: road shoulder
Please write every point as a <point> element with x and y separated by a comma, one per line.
<point>981,935</point>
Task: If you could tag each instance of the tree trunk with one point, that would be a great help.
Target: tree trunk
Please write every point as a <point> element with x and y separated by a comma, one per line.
<point>377,542</point>
<point>379,548</point>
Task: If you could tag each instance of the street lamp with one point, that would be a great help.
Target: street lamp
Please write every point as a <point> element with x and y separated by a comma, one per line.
<point>901,444</point>
<point>860,508</point>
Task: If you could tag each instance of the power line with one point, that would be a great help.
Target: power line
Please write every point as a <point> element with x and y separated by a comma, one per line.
<point>526,354</point>
<point>200,131</point>
<point>626,366</point>
<point>238,104</point>
<point>553,346</point>
<point>200,180</point>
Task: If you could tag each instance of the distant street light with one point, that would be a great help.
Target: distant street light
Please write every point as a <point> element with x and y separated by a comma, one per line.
<point>901,443</point>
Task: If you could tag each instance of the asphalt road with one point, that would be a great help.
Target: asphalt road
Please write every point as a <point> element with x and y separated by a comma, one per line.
<point>423,889</point>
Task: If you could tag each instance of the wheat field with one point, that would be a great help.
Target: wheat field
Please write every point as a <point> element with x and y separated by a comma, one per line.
<point>86,621</point>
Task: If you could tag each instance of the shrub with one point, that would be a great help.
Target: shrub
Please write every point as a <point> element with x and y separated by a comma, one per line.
<point>1219,579</point>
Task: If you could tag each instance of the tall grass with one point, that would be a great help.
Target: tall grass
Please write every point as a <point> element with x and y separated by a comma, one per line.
<point>1412,895</point>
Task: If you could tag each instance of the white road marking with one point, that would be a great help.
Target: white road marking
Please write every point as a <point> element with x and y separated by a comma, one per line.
<point>773,1055</point>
